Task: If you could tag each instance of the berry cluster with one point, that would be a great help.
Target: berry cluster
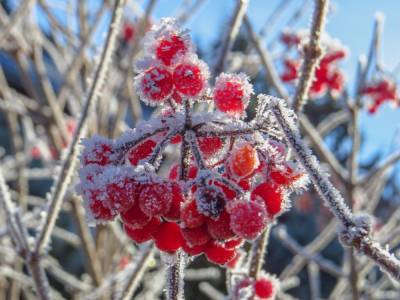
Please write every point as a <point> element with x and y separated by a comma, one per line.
<point>328,77</point>
<point>265,287</point>
<point>381,91</point>
<point>233,177</point>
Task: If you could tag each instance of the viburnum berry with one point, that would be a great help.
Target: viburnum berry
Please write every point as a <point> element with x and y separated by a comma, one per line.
<point>210,145</point>
<point>218,254</point>
<point>173,214</point>
<point>154,85</point>
<point>291,68</point>
<point>168,237</point>
<point>265,287</point>
<point>243,161</point>
<point>380,92</point>
<point>143,234</point>
<point>155,198</point>
<point>210,201</point>
<point>271,195</point>
<point>190,77</point>
<point>193,250</point>
<point>134,217</point>
<point>169,47</point>
<point>285,175</point>
<point>97,150</point>
<point>121,194</point>
<point>141,151</point>
<point>99,209</point>
<point>190,216</point>
<point>232,93</point>
<point>128,32</point>
<point>196,236</point>
<point>220,228</point>
<point>290,38</point>
<point>233,243</point>
<point>248,219</point>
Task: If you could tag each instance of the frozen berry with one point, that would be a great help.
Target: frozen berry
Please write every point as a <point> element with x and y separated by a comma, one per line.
<point>99,209</point>
<point>232,93</point>
<point>271,195</point>
<point>154,85</point>
<point>155,198</point>
<point>248,219</point>
<point>143,234</point>
<point>220,228</point>
<point>134,217</point>
<point>217,254</point>
<point>175,169</point>
<point>234,243</point>
<point>192,250</point>
<point>210,145</point>
<point>141,151</point>
<point>122,194</point>
<point>97,150</point>
<point>196,236</point>
<point>168,237</point>
<point>173,214</point>
<point>243,161</point>
<point>190,216</point>
<point>190,78</point>
<point>265,288</point>
<point>128,32</point>
<point>169,47</point>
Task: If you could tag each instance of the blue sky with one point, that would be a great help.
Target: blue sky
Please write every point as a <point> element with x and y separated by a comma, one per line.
<point>351,22</point>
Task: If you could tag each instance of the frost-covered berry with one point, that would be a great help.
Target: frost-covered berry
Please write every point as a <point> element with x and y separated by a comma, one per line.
<point>134,217</point>
<point>234,243</point>
<point>265,287</point>
<point>210,201</point>
<point>141,151</point>
<point>220,228</point>
<point>143,234</point>
<point>190,77</point>
<point>121,194</point>
<point>173,214</point>
<point>193,250</point>
<point>248,219</point>
<point>168,237</point>
<point>232,93</point>
<point>271,195</point>
<point>285,175</point>
<point>100,211</point>
<point>155,198</point>
<point>175,169</point>
<point>190,216</point>
<point>169,47</point>
<point>128,32</point>
<point>243,161</point>
<point>218,254</point>
<point>196,236</point>
<point>210,145</point>
<point>97,150</point>
<point>154,85</point>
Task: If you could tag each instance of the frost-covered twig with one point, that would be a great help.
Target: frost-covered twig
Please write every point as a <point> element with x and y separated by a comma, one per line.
<point>174,290</point>
<point>312,54</point>
<point>257,253</point>
<point>69,163</point>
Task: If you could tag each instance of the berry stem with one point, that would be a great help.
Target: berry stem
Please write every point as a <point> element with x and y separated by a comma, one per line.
<point>257,253</point>
<point>175,278</point>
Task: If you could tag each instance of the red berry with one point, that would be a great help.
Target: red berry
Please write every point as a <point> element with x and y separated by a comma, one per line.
<point>168,237</point>
<point>154,85</point>
<point>128,32</point>
<point>98,150</point>
<point>196,236</point>
<point>271,195</point>
<point>248,219</point>
<point>155,199</point>
<point>190,216</point>
<point>243,161</point>
<point>210,145</point>
<point>265,288</point>
<point>285,175</point>
<point>99,209</point>
<point>134,217</point>
<point>143,234</point>
<point>232,93</point>
<point>210,201</point>
<point>228,192</point>
<point>220,228</point>
<point>190,78</point>
<point>234,261</point>
<point>122,194</point>
<point>169,47</point>
<point>218,254</point>
<point>174,211</point>
<point>141,151</point>
<point>233,244</point>
<point>175,169</point>
<point>193,251</point>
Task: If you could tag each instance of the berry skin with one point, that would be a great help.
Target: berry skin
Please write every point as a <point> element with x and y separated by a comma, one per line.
<point>272,197</point>
<point>122,194</point>
<point>134,217</point>
<point>264,288</point>
<point>98,208</point>
<point>143,234</point>
<point>141,151</point>
<point>173,213</point>
<point>244,161</point>
<point>232,93</point>
<point>220,228</point>
<point>210,201</point>
<point>190,78</point>
<point>154,85</point>
<point>168,237</point>
<point>196,236</point>
<point>155,199</point>
<point>98,150</point>
<point>218,254</point>
<point>190,216</point>
<point>209,146</point>
<point>193,251</point>
<point>248,219</point>
<point>169,47</point>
